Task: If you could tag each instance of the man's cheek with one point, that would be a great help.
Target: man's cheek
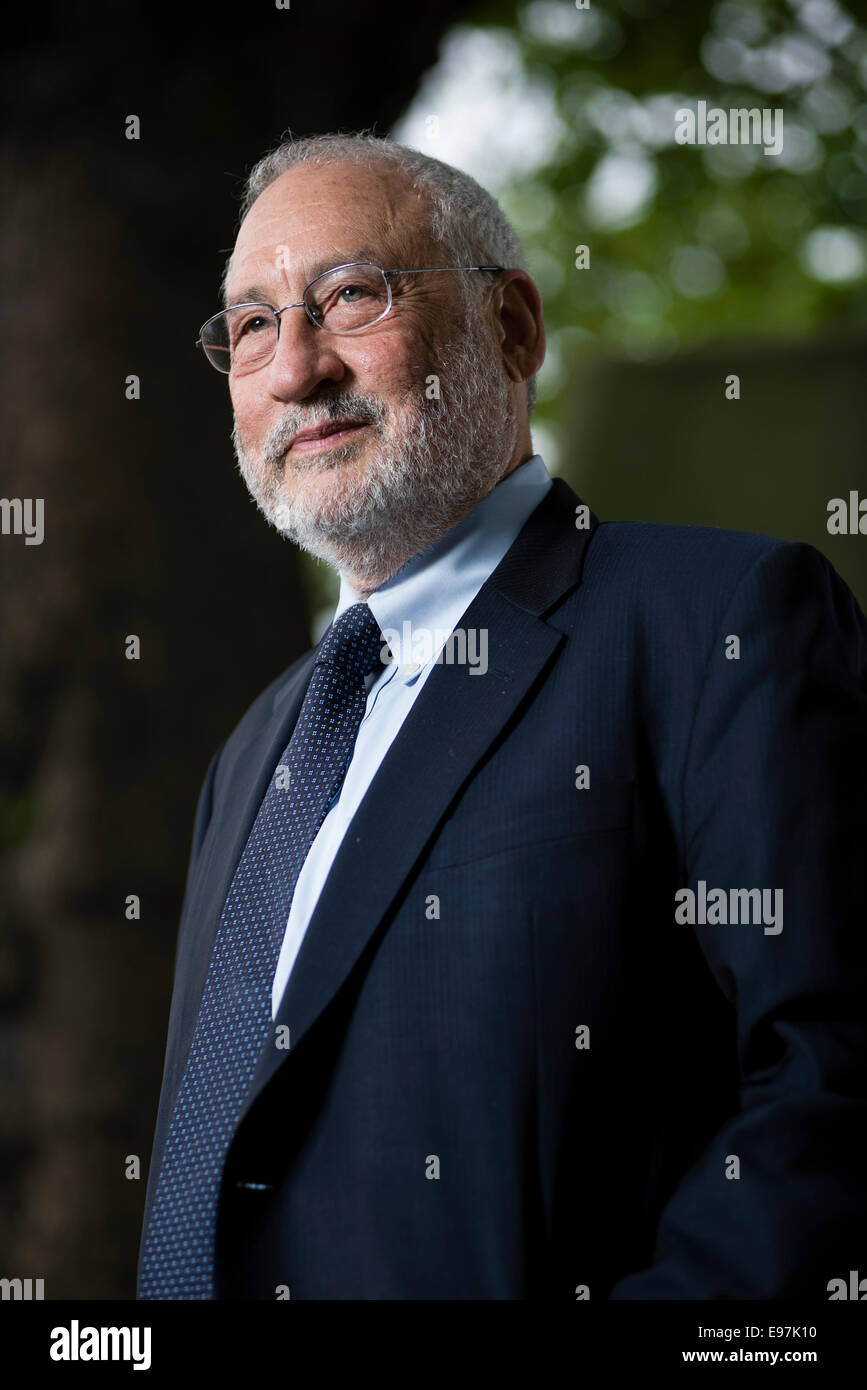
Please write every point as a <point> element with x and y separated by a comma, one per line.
<point>381,367</point>
<point>253,433</point>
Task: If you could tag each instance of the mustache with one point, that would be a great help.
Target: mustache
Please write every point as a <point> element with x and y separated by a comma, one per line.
<point>365,409</point>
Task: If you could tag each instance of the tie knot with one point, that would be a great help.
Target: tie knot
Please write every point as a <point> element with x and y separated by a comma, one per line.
<point>354,642</point>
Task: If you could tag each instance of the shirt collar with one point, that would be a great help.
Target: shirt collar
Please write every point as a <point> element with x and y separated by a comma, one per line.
<point>424,600</point>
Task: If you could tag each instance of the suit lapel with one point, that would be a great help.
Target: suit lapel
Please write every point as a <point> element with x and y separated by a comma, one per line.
<point>449,728</point>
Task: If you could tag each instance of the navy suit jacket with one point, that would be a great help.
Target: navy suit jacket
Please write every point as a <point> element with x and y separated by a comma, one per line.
<point>441,1126</point>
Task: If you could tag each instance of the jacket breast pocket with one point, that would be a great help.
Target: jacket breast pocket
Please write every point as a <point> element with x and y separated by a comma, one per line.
<point>602,807</point>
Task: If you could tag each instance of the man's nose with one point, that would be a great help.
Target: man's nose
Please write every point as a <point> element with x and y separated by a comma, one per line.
<point>305,357</point>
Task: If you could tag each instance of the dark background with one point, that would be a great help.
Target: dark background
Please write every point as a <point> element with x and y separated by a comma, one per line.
<point>112,252</point>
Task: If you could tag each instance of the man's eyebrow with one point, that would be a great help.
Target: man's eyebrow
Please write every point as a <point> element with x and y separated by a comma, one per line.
<point>254,294</point>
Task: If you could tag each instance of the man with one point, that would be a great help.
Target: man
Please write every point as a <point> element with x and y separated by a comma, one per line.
<point>527,963</point>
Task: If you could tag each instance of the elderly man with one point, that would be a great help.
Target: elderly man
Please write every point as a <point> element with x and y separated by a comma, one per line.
<point>522,948</point>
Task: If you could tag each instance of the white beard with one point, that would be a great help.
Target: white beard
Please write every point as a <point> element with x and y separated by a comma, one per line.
<point>427,466</point>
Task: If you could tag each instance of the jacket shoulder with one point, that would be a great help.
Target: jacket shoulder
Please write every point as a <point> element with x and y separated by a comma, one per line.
<point>262,707</point>
<point>703,552</point>
<point>267,700</point>
<point>687,568</point>
<point>677,584</point>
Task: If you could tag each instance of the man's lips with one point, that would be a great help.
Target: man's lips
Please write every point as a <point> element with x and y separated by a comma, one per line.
<point>323,436</point>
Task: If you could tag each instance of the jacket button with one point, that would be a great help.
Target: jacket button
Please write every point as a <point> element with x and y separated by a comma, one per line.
<point>255,1186</point>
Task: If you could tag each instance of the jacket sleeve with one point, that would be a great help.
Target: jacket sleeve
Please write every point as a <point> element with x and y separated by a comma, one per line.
<point>774,798</point>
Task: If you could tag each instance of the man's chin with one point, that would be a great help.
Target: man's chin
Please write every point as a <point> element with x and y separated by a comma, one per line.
<point>322,477</point>
<point>321,495</point>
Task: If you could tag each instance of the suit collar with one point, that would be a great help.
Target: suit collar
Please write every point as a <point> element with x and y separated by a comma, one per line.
<point>429,593</point>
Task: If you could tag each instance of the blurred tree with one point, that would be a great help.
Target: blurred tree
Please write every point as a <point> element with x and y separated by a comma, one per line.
<point>112,253</point>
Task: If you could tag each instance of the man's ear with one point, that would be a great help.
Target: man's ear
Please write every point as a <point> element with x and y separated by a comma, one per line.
<point>520,328</point>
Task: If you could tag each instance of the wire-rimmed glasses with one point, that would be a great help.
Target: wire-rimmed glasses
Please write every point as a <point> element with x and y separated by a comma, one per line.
<point>344,300</point>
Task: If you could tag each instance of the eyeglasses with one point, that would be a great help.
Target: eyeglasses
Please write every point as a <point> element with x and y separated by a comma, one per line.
<point>348,299</point>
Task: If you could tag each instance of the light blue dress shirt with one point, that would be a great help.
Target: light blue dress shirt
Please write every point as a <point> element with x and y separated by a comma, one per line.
<point>417,608</point>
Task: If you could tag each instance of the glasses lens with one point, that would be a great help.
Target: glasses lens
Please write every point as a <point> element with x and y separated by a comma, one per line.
<point>349,298</point>
<point>241,339</point>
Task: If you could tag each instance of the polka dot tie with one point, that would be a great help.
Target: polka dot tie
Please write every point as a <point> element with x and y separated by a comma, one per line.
<point>235,1015</point>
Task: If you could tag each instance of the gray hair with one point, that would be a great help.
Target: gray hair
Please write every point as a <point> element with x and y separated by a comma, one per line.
<point>466,220</point>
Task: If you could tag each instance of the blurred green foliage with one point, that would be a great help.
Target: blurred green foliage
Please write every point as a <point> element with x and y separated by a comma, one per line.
<point>689,243</point>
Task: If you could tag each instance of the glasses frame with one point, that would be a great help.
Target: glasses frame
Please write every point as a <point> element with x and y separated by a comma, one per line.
<point>302,304</point>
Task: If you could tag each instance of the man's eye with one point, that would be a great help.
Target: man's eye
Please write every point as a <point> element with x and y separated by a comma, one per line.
<point>351,294</point>
<point>254,324</point>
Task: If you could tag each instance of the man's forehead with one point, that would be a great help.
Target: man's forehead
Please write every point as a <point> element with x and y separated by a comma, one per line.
<point>311,216</point>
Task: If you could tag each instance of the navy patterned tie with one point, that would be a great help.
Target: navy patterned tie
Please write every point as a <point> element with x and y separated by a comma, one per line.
<point>235,1014</point>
